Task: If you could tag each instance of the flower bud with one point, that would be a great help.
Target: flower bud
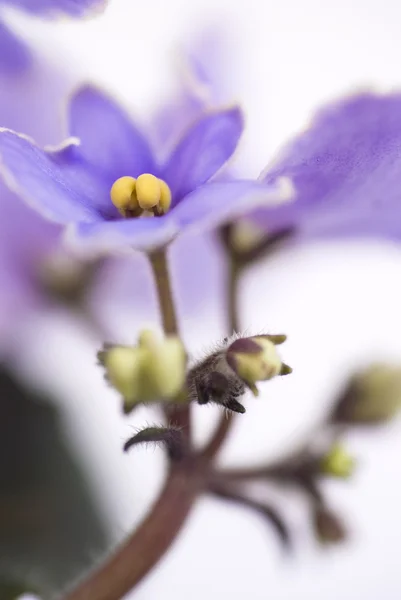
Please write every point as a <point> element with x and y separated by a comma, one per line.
<point>338,463</point>
<point>152,371</point>
<point>328,527</point>
<point>372,396</point>
<point>256,359</point>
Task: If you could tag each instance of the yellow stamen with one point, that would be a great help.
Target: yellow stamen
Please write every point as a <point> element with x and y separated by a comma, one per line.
<point>145,196</point>
<point>123,195</point>
<point>148,191</point>
<point>165,198</point>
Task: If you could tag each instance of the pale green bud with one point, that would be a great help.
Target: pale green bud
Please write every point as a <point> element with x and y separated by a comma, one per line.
<point>256,359</point>
<point>338,462</point>
<point>372,396</point>
<point>150,372</point>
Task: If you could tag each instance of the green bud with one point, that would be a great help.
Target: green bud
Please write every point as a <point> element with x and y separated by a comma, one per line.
<point>372,396</point>
<point>338,463</point>
<point>152,371</point>
<point>245,236</point>
<point>256,359</point>
<point>123,365</point>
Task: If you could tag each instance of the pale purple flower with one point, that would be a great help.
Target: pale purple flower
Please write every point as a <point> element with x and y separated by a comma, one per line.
<point>30,97</point>
<point>203,84</point>
<point>344,167</point>
<point>71,186</point>
<point>14,53</point>
<point>346,170</point>
<point>75,8</point>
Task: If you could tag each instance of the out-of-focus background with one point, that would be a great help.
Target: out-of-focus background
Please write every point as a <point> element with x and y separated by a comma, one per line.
<point>339,302</point>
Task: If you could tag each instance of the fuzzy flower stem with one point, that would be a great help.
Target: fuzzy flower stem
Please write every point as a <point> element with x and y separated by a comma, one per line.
<point>237,262</point>
<point>233,280</point>
<point>180,416</point>
<point>147,544</point>
<point>158,260</point>
<point>219,436</point>
<point>234,271</point>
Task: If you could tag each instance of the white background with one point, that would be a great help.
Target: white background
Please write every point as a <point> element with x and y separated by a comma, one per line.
<point>339,303</point>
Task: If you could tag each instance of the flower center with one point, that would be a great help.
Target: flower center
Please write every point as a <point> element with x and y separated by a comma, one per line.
<point>147,195</point>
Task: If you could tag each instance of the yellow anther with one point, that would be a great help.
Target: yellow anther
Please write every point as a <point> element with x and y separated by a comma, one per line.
<point>123,195</point>
<point>165,198</point>
<point>148,191</point>
<point>145,196</point>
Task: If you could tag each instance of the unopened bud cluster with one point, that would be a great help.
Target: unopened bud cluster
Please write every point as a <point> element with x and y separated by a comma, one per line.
<point>152,371</point>
<point>223,376</point>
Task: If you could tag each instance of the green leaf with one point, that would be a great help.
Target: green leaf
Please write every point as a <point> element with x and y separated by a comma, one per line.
<point>50,528</point>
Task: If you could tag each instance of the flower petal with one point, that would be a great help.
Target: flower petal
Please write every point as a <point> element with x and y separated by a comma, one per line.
<point>138,234</point>
<point>109,140</point>
<point>207,145</point>
<point>75,8</point>
<point>218,202</point>
<point>346,169</point>
<point>15,56</point>
<point>54,183</point>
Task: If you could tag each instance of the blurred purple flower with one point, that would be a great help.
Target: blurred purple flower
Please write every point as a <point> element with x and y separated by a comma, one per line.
<point>75,8</point>
<point>346,169</point>
<point>30,97</point>
<point>344,166</point>
<point>203,84</point>
<point>14,53</point>
<point>72,185</point>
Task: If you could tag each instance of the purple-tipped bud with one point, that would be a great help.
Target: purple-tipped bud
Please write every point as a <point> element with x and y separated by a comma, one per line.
<point>256,359</point>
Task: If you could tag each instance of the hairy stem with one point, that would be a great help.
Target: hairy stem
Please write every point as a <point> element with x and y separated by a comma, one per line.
<point>146,546</point>
<point>232,295</point>
<point>177,416</point>
<point>219,436</point>
<point>158,260</point>
<point>234,271</point>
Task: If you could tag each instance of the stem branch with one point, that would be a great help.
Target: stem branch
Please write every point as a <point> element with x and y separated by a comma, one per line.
<point>177,416</point>
<point>146,546</point>
<point>158,260</point>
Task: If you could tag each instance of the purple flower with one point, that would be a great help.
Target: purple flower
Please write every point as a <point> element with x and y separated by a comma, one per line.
<point>202,86</point>
<point>26,242</point>
<point>346,169</point>
<point>15,55</point>
<point>72,185</point>
<point>31,92</point>
<point>75,8</point>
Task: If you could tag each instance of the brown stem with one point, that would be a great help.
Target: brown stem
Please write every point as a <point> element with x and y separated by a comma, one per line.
<point>177,416</point>
<point>233,279</point>
<point>235,495</point>
<point>146,546</point>
<point>158,260</point>
<point>220,435</point>
<point>234,270</point>
<point>284,471</point>
<point>246,474</point>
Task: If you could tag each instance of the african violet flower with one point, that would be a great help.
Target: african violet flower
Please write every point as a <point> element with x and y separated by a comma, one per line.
<point>107,184</point>
<point>344,166</point>
<point>14,53</point>
<point>75,8</point>
<point>201,86</point>
<point>30,97</point>
<point>346,171</point>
